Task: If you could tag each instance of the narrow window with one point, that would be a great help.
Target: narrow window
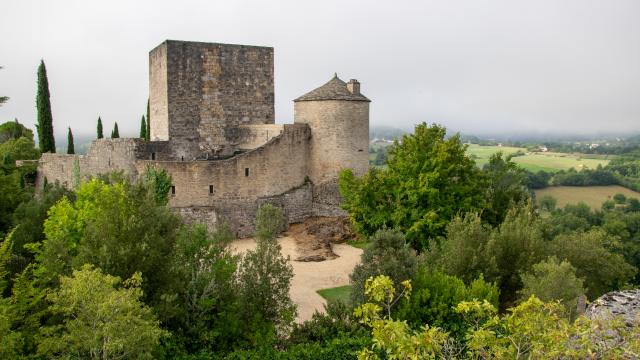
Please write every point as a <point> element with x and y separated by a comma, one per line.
<point>153,156</point>
<point>210,189</point>
<point>246,171</point>
<point>181,158</point>
<point>173,190</point>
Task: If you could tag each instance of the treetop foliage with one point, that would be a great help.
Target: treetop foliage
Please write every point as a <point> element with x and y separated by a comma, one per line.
<point>429,179</point>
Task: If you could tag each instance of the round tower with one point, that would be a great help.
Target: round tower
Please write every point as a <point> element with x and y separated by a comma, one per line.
<point>338,116</point>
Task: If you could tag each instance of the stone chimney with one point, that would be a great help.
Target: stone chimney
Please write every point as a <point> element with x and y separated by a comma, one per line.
<point>353,86</point>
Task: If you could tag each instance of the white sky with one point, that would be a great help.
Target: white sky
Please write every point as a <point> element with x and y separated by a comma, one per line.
<point>476,66</point>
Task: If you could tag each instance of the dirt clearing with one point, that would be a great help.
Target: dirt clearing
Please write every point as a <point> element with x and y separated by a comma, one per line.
<point>311,275</point>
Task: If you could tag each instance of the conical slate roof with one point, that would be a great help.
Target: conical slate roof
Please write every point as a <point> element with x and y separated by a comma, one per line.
<point>335,89</point>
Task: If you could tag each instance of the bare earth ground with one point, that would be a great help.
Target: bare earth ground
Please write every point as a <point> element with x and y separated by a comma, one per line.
<point>311,276</point>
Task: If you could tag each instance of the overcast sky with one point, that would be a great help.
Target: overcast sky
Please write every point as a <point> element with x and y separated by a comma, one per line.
<point>476,66</point>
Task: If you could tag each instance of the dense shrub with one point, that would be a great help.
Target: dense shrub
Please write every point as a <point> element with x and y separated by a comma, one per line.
<point>434,296</point>
<point>553,280</point>
<point>388,254</point>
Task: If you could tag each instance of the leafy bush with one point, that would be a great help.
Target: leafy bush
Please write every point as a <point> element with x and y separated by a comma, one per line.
<point>269,221</point>
<point>100,320</point>
<point>434,296</point>
<point>201,306</point>
<point>336,321</point>
<point>547,202</point>
<point>553,280</point>
<point>601,269</point>
<point>388,254</point>
<point>264,279</point>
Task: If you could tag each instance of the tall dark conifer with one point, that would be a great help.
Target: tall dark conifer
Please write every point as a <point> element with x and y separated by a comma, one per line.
<point>148,122</point>
<point>115,133</point>
<point>70,148</point>
<point>100,135</point>
<point>143,128</point>
<point>46,140</point>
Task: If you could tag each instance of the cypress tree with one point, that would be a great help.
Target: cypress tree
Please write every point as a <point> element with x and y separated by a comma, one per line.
<point>46,140</point>
<point>115,133</point>
<point>100,136</point>
<point>143,128</point>
<point>70,148</point>
<point>148,122</point>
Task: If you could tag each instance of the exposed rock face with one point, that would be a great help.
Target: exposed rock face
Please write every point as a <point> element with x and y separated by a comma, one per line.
<point>625,304</point>
<point>315,236</point>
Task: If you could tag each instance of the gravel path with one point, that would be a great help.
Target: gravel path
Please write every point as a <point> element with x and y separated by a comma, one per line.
<point>311,276</point>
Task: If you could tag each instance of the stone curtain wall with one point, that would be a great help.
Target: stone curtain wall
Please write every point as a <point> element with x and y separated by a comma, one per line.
<point>104,156</point>
<point>240,214</point>
<point>276,167</point>
<point>340,136</point>
<point>211,89</point>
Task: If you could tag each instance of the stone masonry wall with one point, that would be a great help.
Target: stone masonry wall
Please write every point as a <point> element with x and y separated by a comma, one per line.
<point>272,169</point>
<point>240,215</point>
<point>104,156</point>
<point>211,89</point>
<point>158,91</point>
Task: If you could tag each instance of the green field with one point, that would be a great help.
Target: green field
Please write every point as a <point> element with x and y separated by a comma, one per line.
<point>593,196</point>
<point>342,293</point>
<point>534,161</point>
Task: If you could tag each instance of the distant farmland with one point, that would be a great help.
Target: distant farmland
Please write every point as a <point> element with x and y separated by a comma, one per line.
<point>546,161</point>
<point>593,196</point>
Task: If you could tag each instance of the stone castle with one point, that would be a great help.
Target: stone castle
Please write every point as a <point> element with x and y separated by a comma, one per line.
<point>213,130</point>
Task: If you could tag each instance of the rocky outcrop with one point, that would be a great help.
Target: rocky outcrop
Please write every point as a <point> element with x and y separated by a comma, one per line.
<point>625,304</point>
<point>315,235</point>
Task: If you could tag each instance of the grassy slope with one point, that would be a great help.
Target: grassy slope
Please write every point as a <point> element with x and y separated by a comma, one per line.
<point>337,293</point>
<point>593,196</point>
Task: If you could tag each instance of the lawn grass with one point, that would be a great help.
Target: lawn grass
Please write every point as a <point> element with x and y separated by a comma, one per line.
<point>593,196</point>
<point>342,293</point>
<point>534,161</point>
<point>360,244</point>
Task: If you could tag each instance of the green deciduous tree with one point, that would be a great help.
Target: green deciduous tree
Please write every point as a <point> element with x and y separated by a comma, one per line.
<point>13,130</point>
<point>264,279</point>
<point>118,227</point>
<point>601,269</point>
<point>203,313</point>
<point>143,128</point>
<point>70,148</point>
<point>388,254</point>
<point>102,319</point>
<point>115,133</point>
<point>428,181</point>
<point>553,280</point>
<point>504,188</point>
<point>547,202</point>
<point>100,135</point>
<point>45,119</point>
<point>28,222</point>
